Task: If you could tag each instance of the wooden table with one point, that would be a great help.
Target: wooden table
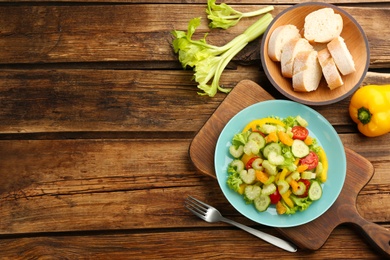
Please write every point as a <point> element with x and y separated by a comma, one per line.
<point>97,117</point>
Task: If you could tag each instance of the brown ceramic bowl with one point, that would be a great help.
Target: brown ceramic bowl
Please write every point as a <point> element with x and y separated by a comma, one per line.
<point>354,37</point>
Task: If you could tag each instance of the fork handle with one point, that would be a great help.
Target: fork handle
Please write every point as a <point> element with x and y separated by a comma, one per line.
<point>264,236</point>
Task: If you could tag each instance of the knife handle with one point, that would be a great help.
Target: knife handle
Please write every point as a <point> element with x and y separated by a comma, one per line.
<point>286,245</point>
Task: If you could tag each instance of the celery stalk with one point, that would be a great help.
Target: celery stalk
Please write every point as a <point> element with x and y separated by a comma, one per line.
<point>224,16</point>
<point>209,61</point>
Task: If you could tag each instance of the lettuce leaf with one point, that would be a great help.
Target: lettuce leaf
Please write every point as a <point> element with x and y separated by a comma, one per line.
<point>301,203</point>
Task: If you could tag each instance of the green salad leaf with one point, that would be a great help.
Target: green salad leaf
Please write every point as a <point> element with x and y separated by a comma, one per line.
<point>234,181</point>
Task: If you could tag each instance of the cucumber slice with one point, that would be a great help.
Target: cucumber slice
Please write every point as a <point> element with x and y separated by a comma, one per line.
<point>275,159</point>
<point>248,176</point>
<point>315,191</point>
<point>272,147</point>
<point>299,148</point>
<point>301,121</point>
<point>258,138</point>
<point>252,191</point>
<point>268,189</point>
<point>308,175</point>
<point>262,202</point>
<point>266,128</point>
<point>236,152</point>
<point>280,128</point>
<point>238,165</point>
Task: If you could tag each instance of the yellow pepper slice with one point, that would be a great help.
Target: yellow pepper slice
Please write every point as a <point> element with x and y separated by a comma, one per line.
<point>296,162</point>
<point>294,185</point>
<point>324,161</point>
<point>241,189</point>
<point>259,122</point>
<point>280,208</point>
<point>283,174</point>
<point>286,198</point>
<point>246,157</point>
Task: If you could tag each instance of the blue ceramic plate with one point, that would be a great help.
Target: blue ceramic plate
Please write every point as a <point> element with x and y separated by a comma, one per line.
<point>319,128</point>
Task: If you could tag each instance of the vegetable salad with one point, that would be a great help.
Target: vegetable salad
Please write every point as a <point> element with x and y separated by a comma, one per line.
<point>277,162</point>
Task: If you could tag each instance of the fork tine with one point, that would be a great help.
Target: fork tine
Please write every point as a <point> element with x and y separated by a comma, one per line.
<point>193,203</point>
<point>195,206</point>
<point>196,213</point>
<point>206,206</point>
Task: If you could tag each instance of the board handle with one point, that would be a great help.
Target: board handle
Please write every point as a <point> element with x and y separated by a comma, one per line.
<point>376,235</point>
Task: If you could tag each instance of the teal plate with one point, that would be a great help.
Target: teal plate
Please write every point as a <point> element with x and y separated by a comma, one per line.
<point>318,127</point>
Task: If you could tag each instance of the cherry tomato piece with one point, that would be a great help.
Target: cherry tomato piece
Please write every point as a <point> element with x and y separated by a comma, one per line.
<point>248,165</point>
<point>299,132</point>
<point>307,184</point>
<point>275,197</point>
<point>311,160</point>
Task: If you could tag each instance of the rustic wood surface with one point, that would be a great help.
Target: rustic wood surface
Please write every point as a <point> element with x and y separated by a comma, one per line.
<point>97,117</point>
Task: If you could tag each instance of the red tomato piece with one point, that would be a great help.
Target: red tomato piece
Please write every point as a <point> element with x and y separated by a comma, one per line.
<point>307,184</point>
<point>311,160</point>
<point>299,132</point>
<point>248,165</point>
<point>275,197</point>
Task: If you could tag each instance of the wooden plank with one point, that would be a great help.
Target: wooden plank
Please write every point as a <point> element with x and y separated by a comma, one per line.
<point>50,168</point>
<point>228,243</point>
<point>138,209</point>
<point>37,101</point>
<point>47,101</point>
<point>73,185</point>
<point>117,33</point>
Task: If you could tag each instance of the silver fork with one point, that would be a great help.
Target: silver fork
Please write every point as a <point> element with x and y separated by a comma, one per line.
<point>211,214</point>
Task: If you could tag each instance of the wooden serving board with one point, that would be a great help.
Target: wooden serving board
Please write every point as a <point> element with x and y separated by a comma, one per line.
<point>315,233</point>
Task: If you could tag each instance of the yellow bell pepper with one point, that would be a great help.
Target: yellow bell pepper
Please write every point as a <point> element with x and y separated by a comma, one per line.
<point>370,109</point>
<point>259,122</point>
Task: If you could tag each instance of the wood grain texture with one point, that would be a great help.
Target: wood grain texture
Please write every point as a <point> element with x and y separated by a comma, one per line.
<point>37,101</point>
<point>225,243</point>
<point>91,185</point>
<point>111,33</point>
